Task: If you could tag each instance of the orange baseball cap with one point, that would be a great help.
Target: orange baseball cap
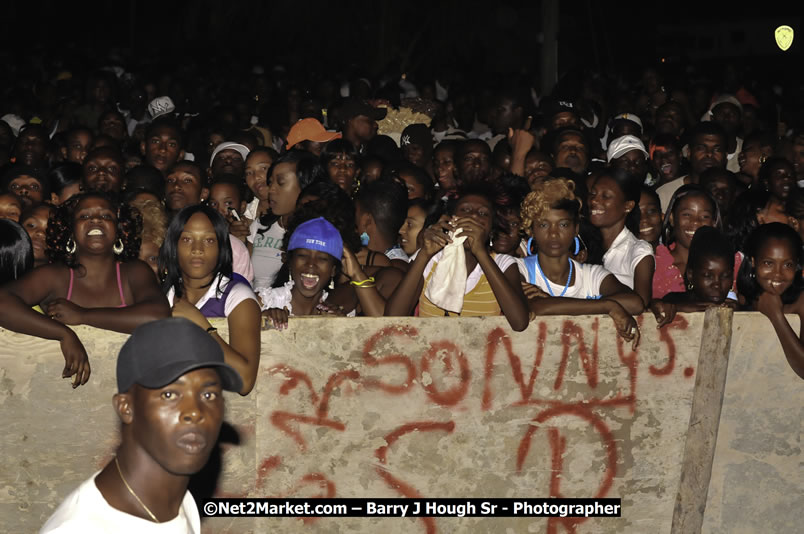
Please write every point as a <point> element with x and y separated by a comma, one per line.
<point>309,130</point>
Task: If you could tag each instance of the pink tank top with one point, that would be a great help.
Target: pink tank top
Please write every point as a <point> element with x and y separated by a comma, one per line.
<point>119,286</point>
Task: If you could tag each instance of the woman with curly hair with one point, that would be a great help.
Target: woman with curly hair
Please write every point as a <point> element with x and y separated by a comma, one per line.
<point>154,226</point>
<point>94,278</point>
<point>559,285</point>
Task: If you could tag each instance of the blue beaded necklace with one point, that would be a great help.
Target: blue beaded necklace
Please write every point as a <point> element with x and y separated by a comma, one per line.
<point>547,282</point>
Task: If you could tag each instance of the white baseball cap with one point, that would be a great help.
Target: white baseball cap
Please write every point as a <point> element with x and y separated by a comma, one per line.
<point>623,145</point>
<point>229,145</point>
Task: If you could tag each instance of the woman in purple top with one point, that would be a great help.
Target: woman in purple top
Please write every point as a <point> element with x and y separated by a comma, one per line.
<point>196,262</point>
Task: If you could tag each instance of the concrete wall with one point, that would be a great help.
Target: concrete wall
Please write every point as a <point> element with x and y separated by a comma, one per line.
<point>757,482</point>
<point>433,408</point>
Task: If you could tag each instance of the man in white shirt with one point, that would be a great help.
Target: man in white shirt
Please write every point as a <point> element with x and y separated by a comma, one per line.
<point>727,111</point>
<point>170,378</point>
<point>707,150</point>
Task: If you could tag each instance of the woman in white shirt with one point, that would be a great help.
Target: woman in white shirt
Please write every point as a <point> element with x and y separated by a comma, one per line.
<point>551,215</point>
<point>614,210</point>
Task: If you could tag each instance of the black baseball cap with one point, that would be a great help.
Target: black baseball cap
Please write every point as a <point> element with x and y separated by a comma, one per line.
<point>159,352</point>
<point>551,108</point>
<point>355,107</point>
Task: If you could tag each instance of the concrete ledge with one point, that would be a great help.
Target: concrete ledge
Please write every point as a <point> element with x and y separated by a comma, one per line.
<point>406,407</point>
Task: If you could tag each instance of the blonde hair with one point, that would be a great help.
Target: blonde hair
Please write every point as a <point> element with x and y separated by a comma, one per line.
<point>154,220</point>
<point>553,193</point>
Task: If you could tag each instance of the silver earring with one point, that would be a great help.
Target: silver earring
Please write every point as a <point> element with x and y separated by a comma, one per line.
<point>70,248</point>
<point>332,283</point>
<point>118,247</point>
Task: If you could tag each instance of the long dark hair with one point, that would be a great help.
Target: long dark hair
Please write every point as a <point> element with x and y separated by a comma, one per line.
<point>16,251</point>
<point>747,283</point>
<point>169,253</point>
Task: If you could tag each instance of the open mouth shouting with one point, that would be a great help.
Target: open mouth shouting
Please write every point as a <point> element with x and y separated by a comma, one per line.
<point>309,280</point>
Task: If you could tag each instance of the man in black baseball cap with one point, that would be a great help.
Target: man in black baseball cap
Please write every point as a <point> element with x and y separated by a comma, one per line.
<point>170,379</point>
<point>360,121</point>
<point>560,114</point>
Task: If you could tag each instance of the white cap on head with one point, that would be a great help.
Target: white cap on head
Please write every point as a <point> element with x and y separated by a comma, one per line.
<point>722,99</point>
<point>629,117</point>
<point>15,122</point>
<point>228,145</point>
<point>161,105</point>
<point>623,145</point>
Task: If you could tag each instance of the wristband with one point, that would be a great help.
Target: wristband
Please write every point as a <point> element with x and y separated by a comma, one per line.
<point>369,280</point>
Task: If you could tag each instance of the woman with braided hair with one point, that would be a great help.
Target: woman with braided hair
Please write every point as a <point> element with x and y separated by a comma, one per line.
<point>94,278</point>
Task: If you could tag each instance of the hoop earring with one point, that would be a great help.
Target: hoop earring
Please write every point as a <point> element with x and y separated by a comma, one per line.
<point>528,246</point>
<point>70,248</point>
<point>118,247</point>
<point>577,246</point>
<point>690,286</point>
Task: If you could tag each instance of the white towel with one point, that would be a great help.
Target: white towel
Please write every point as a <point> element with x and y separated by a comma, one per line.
<point>447,286</point>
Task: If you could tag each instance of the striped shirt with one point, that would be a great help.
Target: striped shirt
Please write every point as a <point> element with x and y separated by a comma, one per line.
<point>478,300</point>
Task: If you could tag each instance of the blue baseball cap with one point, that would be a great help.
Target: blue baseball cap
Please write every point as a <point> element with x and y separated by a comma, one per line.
<point>317,234</point>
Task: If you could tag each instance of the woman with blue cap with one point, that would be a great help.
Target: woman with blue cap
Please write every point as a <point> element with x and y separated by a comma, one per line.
<point>315,251</point>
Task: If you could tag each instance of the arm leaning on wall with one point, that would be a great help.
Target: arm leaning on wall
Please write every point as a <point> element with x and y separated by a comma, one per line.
<point>16,314</point>
<point>770,305</point>
<point>615,299</point>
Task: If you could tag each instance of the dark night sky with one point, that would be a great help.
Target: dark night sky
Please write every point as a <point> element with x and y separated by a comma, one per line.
<point>492,36</point>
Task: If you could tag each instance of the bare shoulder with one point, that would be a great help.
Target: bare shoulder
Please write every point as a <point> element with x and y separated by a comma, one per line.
<point>390,275</point>
<point>50,269</point>
<point>400,265</point>
<point>50,275</point>
<point>140,278</point>
<point>136,268</point>
<point>42,284</point>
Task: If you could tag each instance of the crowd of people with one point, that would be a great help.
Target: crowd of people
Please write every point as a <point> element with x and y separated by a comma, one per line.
<point>126,200</point>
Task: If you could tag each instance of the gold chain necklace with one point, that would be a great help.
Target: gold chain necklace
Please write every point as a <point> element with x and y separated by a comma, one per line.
<point>131,491</point>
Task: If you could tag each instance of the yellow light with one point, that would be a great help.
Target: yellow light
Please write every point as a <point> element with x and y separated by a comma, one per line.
<point>784,37</point>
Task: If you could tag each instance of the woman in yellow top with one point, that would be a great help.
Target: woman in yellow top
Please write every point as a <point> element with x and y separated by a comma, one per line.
<point>492,285</point>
